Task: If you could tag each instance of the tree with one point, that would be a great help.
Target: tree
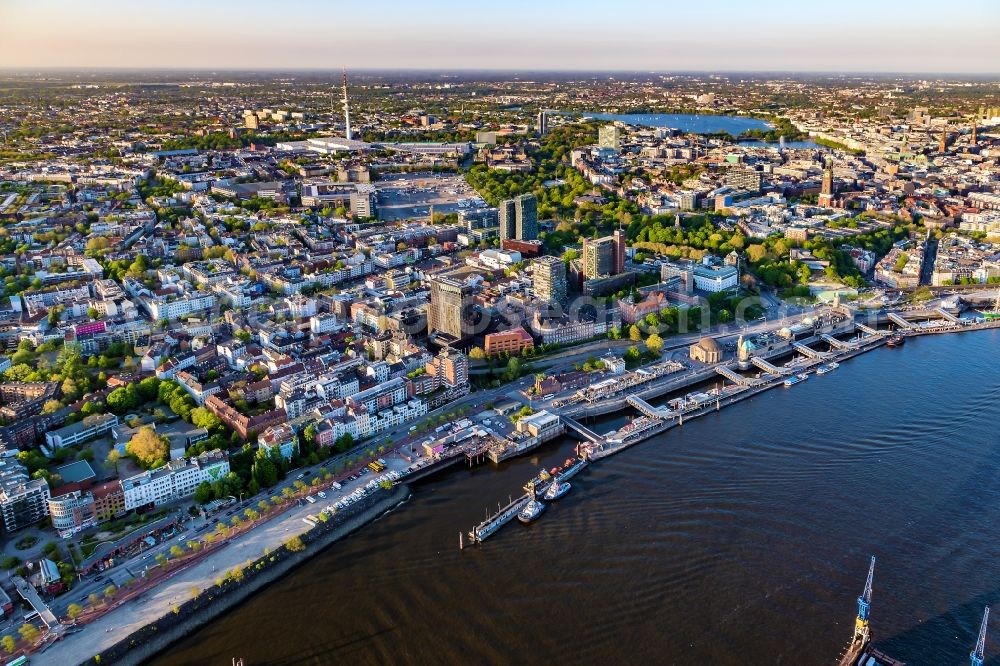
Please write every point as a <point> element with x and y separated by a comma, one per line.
<point>295,545</point>
<point>74,611</point>
<point>9,643</point>
<point>93,598</point>
<point>112,459</point>
<point>148,448</point>
<point>203,493</point>
<point>203,418</point>
<point>632,355</point>
<point>149,388</point>
<point>634,333</point>
<point>477,354</point>
<point>51,406</point>
<point>176,551</point>
<point>109,591</point>
<point>654,343</point>
<point>69,389</point>
<point>29,632</point>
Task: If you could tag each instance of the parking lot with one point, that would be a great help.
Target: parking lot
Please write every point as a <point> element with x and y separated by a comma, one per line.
<point>410,196</point>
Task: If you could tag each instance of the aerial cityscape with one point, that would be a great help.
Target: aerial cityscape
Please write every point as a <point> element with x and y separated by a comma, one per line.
<point>407,335</point>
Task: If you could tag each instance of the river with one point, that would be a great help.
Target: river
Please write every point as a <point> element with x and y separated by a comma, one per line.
<point>741,538</point>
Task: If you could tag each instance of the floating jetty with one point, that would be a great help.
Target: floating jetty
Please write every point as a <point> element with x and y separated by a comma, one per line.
<point>533,489</point>
<point>657,420</point>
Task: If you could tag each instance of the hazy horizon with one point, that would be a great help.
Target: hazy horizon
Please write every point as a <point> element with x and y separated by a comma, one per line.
<point>771,36</point>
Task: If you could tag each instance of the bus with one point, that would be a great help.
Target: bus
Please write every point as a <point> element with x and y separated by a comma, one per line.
<point>376,466</point>
<point>20,661</point>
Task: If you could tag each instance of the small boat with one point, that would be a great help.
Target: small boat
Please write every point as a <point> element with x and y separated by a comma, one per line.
<point>792,381</point>
<point>833,365</point>
<point>557,490</point>
<point>896,340</point>
<point>803,376</point>
<point>823,369</point>
<point>531,511</point>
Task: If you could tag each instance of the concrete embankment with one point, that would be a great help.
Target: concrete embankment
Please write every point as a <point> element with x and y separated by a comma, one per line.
<point>159,634</point>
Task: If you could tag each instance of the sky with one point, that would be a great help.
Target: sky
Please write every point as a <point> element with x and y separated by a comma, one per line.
<point>935,36</point>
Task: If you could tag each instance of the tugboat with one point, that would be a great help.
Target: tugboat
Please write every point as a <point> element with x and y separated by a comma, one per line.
<point>896,340</point>
<point>557,490</point>
<point>531,511</point>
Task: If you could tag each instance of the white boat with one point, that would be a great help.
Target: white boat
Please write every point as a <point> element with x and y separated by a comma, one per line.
<point>823,369</point>
<point>531,511</point>
<point>557,490</point>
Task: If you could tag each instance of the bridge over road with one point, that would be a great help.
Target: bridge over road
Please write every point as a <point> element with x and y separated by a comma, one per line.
<point>29,594</point>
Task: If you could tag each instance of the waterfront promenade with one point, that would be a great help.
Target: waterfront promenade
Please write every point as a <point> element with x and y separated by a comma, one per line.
<point>131,615</point>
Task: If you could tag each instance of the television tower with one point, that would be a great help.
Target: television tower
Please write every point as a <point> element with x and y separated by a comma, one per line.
<point>347,111</point>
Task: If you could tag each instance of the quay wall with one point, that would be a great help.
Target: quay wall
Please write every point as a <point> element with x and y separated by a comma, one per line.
<point>159,634</point>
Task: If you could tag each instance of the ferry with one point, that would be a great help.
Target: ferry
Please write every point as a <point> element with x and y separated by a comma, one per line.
<point>792,381</point>
<point>896,340</point>
<point>531,511</point>
<point>557,490</point>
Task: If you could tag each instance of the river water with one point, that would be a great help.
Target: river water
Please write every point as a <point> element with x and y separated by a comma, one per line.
<point>741,538</point>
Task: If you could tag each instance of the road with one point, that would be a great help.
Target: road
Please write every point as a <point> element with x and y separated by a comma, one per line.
<point>132,615</point>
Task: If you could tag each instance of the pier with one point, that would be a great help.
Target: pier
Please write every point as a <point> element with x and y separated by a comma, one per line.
<point>839,344</point>
<point>505,514</point>
<point>947,315</point>
<point>809,351</point>
<point>899,321</point>
<point>657,420</point>
<point>648,409</point>
<point>582,430</point>
<point>770,367</point>
<point>869,330</point>
<point>735,377</point>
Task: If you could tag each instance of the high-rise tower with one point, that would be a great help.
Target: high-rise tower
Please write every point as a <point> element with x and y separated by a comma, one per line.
<point>347,111</point>
<point>826,191</point>
<point>972,137</point>
<point>943,145</point>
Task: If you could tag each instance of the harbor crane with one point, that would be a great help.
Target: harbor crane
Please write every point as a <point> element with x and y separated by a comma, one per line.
<point>976,656</point>
<point>864,604</point>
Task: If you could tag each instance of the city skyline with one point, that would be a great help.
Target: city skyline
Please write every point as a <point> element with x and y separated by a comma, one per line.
<point>775,36</point>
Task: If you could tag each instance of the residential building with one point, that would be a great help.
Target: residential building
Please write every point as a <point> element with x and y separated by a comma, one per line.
<point>90,427</point>
<point>519,218</point>
<point>604,256</point>
<point>549,279</point>
<point>609,136</point>
<point>450,306</point>
<point>364,201</point>
<point>176,480</point>
<point>72,512</point>
<point>23,500</point>
<point>513,342</point>
<point>450,368</point>
<point>280,437</point>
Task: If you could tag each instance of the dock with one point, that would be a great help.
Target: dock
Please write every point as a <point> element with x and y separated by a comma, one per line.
<point>657,420</point>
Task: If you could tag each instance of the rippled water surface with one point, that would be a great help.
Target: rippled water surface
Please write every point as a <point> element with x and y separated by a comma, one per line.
<point>741,538</point>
